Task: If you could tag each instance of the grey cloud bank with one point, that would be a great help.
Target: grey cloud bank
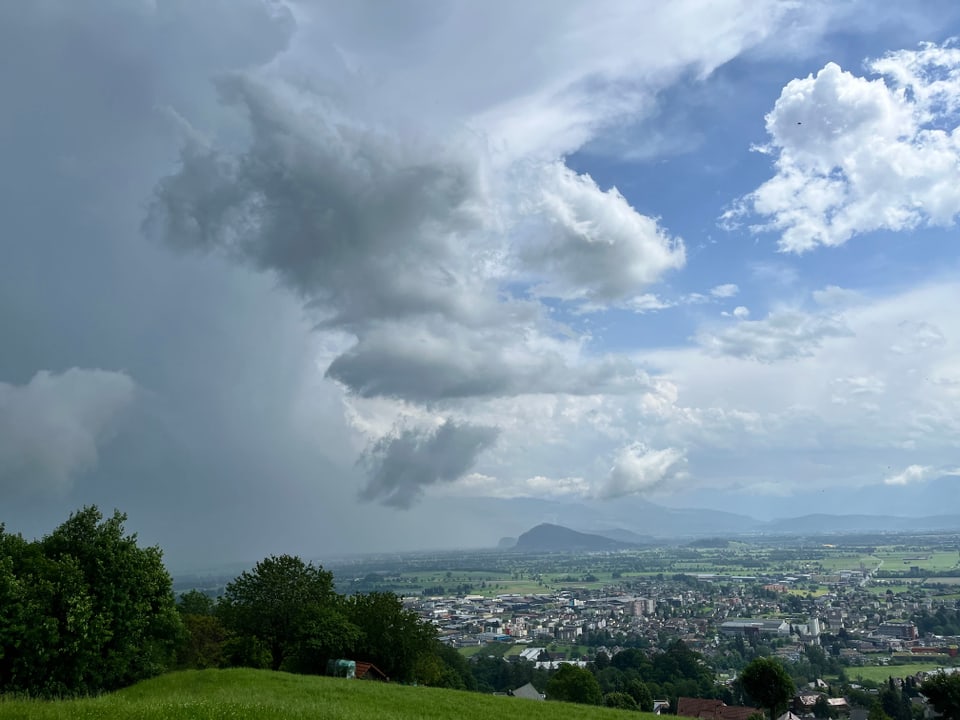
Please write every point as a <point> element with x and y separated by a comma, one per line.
<point>379,276</point>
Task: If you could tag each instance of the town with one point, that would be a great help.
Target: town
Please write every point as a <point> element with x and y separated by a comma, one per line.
<point>842,614</point>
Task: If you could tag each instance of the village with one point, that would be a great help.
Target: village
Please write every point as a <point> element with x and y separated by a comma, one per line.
<point>864,636</point>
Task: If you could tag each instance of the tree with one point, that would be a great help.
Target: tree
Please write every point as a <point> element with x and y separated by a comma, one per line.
<point>291,608</point>
<point>641,694</point>
<point>390,637</point>
<point>194,602</point>
<point>876,712</point>
<point>620,700</point>
<point>573,684</point>
<point>768,683</point>
<point>943,692</point>
<point>86,609</point>
<point>203,642</point>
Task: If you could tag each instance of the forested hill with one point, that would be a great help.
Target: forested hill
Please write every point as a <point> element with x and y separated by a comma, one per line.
<point>555,538</point>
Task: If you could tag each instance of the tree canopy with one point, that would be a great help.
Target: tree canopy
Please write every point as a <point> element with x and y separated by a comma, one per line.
<point>574,684</point>
<point>943,692</point>
<point>291,608</point>
<point>768,683</point>
<point>84,609</point>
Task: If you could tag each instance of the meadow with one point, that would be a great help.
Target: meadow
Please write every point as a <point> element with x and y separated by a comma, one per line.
<point>242,694</point>
<point>880,673</point>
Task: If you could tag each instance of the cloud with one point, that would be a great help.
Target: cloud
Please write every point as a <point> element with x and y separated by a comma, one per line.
<point>637,469</point>
<point>430,360</point>
<point>727,290</point>
<point>836,297</point>
<point>592,244</point>
<point>403,464</point>
<point>51,428</point>
<point>843,404</point>
<point>917,336</point>
<point>648,302</point>
<point>740,312</point>
<point>782,335</point>
<point>855,155</point>
<point>914,474</point>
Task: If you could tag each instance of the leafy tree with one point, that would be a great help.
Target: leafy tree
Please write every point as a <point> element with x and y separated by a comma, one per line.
<point>892,701</point>
<point>611,680</point>
<point>203,643</point>
<point>641,695</point>
<point>390,637</point>
<point>86,609</point>
<point>290,609</point>
<point>768,683</point>
<point>601,661</point>
<point>194,602</point>
<point>492,673</point>
<point>943,692</point>
<point>446,668</point>
<point>876,712</point>
<point>573,684</point>
<point>620,700</point>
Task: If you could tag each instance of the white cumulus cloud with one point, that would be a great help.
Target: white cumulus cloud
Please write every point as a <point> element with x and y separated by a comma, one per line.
<point>918,474</point>
<point>857,154</point>
<point>638,469</point>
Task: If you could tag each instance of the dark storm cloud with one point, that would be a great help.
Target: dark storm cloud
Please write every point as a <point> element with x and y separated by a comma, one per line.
<point>401,465</point>
<point>435,360</point>
<point>346,214</point>
<point>383,236</point>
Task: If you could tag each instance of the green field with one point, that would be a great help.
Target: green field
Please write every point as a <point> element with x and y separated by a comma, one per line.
<point>880,673</point>
<point>241,694</point>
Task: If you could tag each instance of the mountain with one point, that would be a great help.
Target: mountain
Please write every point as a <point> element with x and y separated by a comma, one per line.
<point>626,536</point>
<point>821,522</point>
<point>555,538</point>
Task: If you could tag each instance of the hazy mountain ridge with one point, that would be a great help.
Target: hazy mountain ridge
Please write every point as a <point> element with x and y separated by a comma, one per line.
<point>547,537</point>
<point>676,524</point>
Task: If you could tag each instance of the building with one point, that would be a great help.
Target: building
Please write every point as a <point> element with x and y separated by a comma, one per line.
<point>898,630</point>
<point>529,692</point>
<point>705,709</point>
<point>755,626</point>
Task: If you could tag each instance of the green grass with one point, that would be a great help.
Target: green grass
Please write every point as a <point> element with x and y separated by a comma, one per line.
<point>880,673</point>
<point>241,694</point>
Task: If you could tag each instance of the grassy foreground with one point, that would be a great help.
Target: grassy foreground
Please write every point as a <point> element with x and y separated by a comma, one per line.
<point>240,694</point>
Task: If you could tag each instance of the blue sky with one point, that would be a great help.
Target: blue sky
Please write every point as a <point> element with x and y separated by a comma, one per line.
<point>275,271</point>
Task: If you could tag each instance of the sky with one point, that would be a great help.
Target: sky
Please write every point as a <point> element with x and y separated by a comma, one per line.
<point>322,277</point>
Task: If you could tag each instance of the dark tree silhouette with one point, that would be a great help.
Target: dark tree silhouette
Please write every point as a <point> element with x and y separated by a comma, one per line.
<point>769,684</point>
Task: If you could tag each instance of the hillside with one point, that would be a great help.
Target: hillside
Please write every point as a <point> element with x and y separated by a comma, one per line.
<point>240,694</point>
<point>554,538</point>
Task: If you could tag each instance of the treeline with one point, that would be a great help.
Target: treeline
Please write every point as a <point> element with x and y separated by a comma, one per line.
<point>945,621</point>
<point>284,614</point>
<point>86,610</point>
<point>628,680</point>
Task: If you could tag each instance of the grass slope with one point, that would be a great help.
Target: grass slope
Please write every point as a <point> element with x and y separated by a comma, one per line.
<point>241,694</point>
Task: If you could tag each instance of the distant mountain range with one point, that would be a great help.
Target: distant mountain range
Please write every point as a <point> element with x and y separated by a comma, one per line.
<point>659,523</point>
<point>641,522</point>
<point>548,537</point>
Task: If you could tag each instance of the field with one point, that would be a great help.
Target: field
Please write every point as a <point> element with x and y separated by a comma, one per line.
<point>264,695</point>
<point>880,673</point>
